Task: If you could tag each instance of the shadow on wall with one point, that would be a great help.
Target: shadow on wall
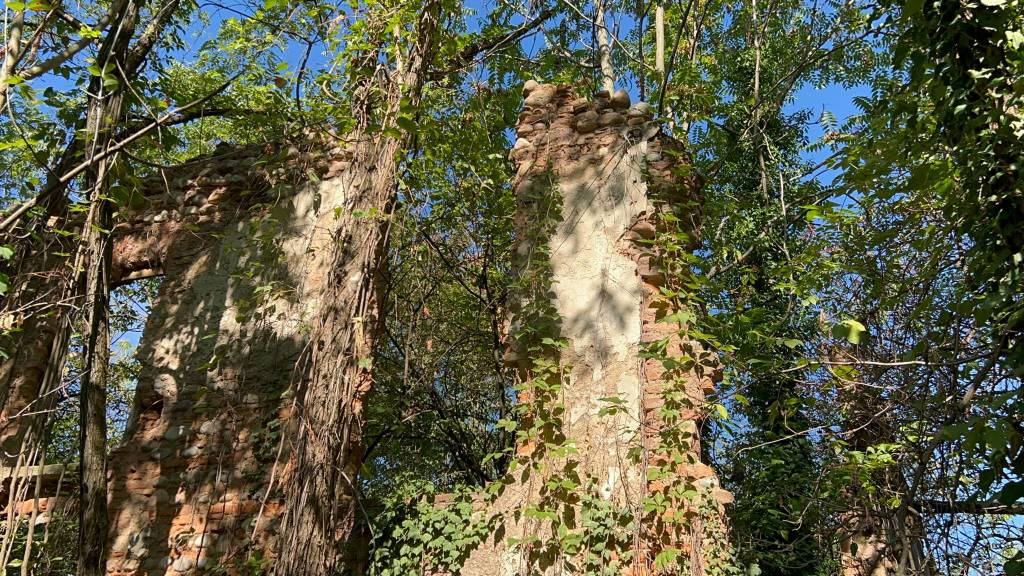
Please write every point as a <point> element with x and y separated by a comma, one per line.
<point>199,479</point>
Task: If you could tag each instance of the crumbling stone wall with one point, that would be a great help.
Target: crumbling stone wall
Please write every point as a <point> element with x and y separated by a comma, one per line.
<point>199,480</point>
<point>613,170</point>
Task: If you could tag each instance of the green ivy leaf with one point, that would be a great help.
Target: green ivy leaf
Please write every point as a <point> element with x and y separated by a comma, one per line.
<point>721,412</point>
<point>854,332</point>
<point>407,125</point>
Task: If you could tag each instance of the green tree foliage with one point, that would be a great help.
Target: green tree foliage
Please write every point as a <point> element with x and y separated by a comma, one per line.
<point>441,382</point>
<point>860,277</point>
<point>934,162</point>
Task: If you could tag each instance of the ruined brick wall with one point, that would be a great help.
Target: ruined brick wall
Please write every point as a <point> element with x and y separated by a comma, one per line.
<point>611,171</point>
<point>35,332</point>
<point>198,480</point>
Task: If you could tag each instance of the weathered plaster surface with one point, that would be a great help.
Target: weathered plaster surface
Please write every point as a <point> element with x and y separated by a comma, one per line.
<point>608,161</point>
<point>598,297</point>
<point>197,482</point>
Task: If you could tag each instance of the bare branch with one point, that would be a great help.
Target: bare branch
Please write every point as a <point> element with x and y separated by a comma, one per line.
<point>468,55</point>
<point>967,507</point>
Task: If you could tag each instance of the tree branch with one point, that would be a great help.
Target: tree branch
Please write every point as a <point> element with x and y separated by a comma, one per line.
<point>168,119</point>
<point>466,56</point>
<point>150,35</point>
<point>184,117</point>
<point>72,49</point>
<point>967,507</point>
<point>11,54</point>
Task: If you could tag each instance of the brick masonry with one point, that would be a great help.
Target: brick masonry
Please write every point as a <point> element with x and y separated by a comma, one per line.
<point>614,170</point>
<point>198,480</point>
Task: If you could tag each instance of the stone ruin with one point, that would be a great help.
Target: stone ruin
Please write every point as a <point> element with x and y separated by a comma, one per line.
<point>197,481</point>
<point>614,173</point>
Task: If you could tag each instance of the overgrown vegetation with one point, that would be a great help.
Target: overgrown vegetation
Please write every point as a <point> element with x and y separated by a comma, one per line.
<point>858,272</point>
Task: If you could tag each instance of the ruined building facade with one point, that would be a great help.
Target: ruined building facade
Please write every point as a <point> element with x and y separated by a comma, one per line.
<point>202,473</point>
<point>246,254</point>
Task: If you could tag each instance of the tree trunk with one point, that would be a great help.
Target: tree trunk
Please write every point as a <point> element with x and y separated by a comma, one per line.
<point>35,312</point>
<point>92,528</point>
<point>604,48</point>
<point>659,40</point>
<point>335,371</point>
<point>876,539</point>
<point>103,117</point>
<point>11,54</point>
<point>36,320</point>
